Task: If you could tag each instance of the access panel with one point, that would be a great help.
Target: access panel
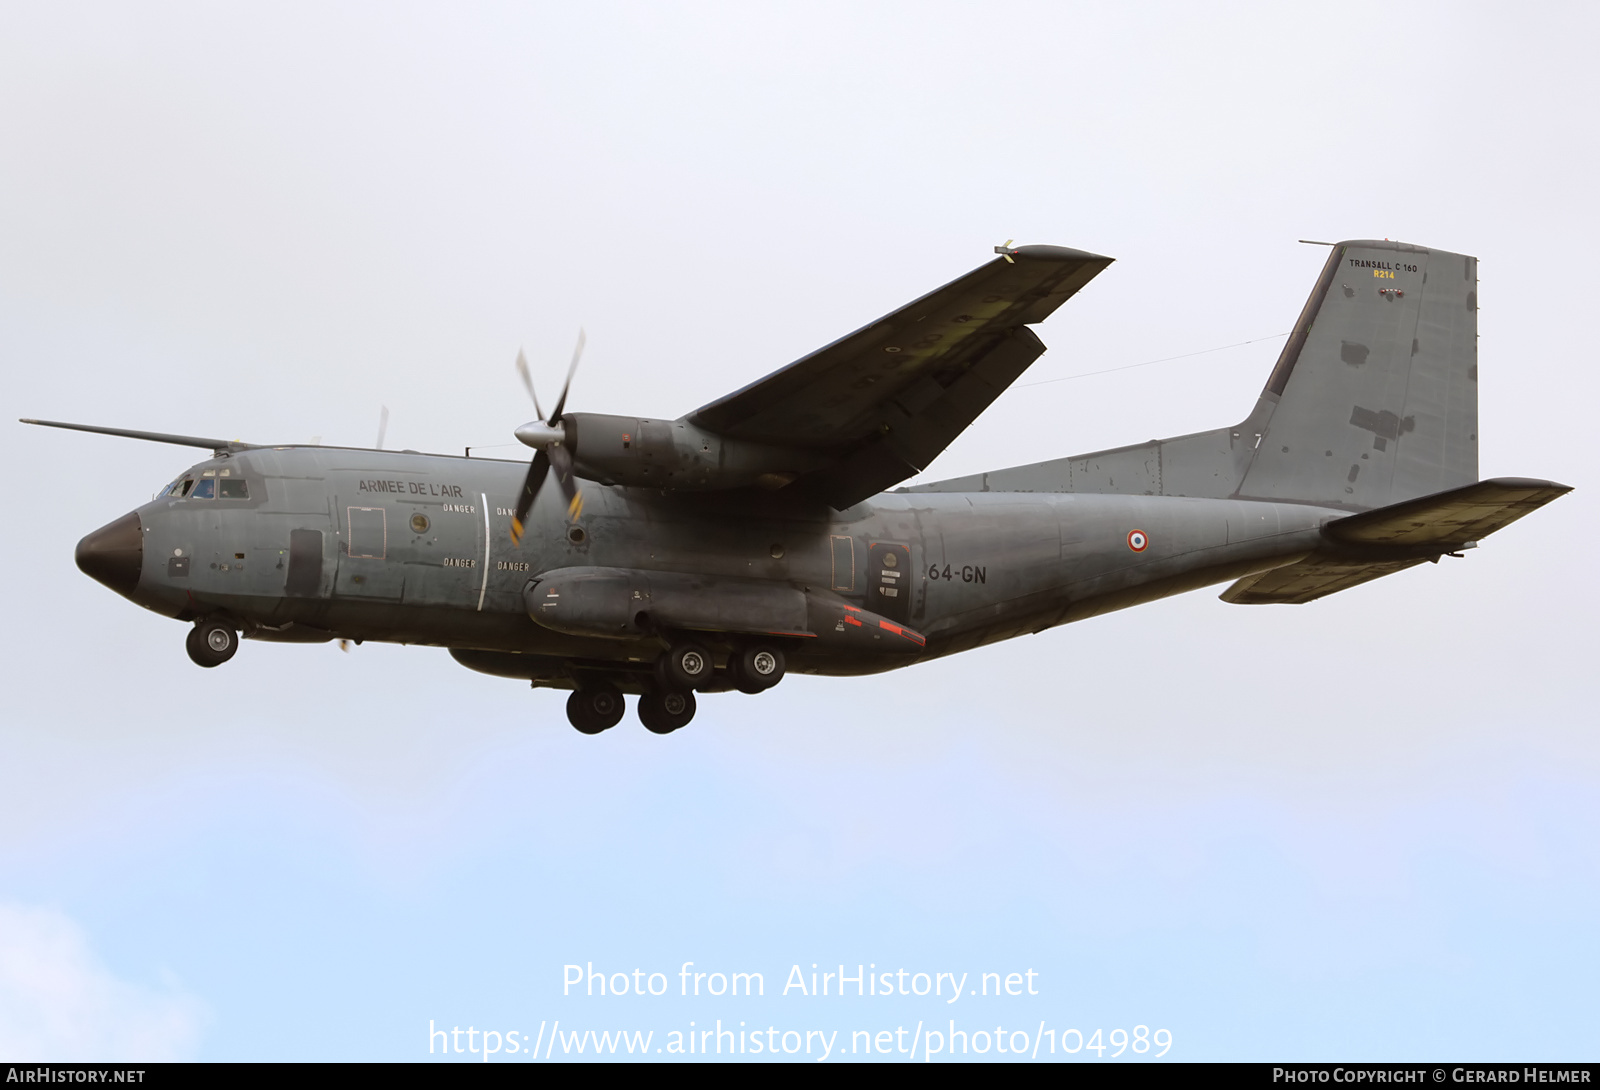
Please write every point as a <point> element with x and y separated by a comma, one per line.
<point>366,569</point>
<point>889,576</point>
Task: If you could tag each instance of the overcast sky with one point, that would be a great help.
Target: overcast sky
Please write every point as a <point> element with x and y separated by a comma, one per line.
<point>1365,827</point>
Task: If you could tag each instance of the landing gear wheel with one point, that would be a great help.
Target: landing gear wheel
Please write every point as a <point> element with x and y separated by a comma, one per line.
<point>665,711</point>
<point>684,668</point>
<point>596,708</point>
<point>211,643</point>
<point>757,668</point>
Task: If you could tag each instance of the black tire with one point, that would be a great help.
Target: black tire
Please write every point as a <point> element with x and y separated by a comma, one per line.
<point>740,680</point>
<point>211,643</point>
<point>665,711</point>
<point>685,667</point>
<point>758,667</point>
<point>595,709</point>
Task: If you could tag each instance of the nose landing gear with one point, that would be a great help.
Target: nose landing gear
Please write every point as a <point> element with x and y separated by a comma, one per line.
<point>211,643</point>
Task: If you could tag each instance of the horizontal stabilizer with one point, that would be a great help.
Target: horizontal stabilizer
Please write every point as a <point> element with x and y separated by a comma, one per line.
<point>1308,580</point>
<point>1420,530</point>
<point>1455,517</point>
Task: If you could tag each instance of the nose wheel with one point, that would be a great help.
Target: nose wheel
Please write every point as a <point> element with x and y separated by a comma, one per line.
<point>595,708</point>
<point>211,643</point>
<point>665,710</point>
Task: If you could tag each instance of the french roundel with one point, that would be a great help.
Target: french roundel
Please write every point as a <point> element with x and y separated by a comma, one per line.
<point>1138,540</point>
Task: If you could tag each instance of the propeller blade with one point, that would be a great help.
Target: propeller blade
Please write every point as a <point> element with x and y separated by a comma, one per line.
<point>561,402</point>
<point>383,425</point>
<point>527,381</point>
<point>537,472</point>
<point>561,462</point>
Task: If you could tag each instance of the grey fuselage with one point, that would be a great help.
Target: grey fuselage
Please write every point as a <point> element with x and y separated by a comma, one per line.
<point>416,548</point>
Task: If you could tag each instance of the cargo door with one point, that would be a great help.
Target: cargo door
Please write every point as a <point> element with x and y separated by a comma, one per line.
<point>889,580</point>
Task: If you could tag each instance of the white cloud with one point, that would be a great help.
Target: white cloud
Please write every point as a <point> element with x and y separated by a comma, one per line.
<point>58,1002</point>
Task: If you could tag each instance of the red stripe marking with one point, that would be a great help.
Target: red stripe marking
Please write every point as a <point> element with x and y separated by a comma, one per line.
<point>905,632</point>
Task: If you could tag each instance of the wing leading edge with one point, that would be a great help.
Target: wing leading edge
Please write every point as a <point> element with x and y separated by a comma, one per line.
<point>884,401</point>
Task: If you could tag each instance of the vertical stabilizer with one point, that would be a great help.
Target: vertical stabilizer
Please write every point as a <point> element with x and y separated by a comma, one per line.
<point>1376,390</point>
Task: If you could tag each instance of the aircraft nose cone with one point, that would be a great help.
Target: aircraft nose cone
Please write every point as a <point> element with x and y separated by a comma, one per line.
<point>114,554</point>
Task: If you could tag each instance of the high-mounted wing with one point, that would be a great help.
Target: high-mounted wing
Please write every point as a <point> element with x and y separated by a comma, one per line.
<point>884,401</point>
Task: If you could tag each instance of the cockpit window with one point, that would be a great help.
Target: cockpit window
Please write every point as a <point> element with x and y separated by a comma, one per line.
<point>208,484</point>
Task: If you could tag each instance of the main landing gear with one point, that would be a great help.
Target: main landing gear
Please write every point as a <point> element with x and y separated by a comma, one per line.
<point>685,667</point>
<point>595,708</point>
<point>665,710</point>
<point>211,643</point>
<point>688,666</point>
<point>756,668</point>
<point>669,702</point>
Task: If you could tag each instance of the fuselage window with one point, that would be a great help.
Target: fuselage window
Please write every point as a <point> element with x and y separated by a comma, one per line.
<point>234,489</point>
<point>174,489</point>
<point>204,489</point>
<point>187,485</point>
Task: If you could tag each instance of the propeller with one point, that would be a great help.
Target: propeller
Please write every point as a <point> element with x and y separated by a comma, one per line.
<point>1006,251</point>
<point>548,437</point>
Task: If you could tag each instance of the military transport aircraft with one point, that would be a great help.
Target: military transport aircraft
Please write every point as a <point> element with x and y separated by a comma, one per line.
<point>755,535</point>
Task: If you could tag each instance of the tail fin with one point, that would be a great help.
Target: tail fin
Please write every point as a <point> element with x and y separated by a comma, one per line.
<point>1373,400</point>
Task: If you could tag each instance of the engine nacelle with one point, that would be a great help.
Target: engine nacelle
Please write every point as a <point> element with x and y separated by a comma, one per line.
<point>630,450</point>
